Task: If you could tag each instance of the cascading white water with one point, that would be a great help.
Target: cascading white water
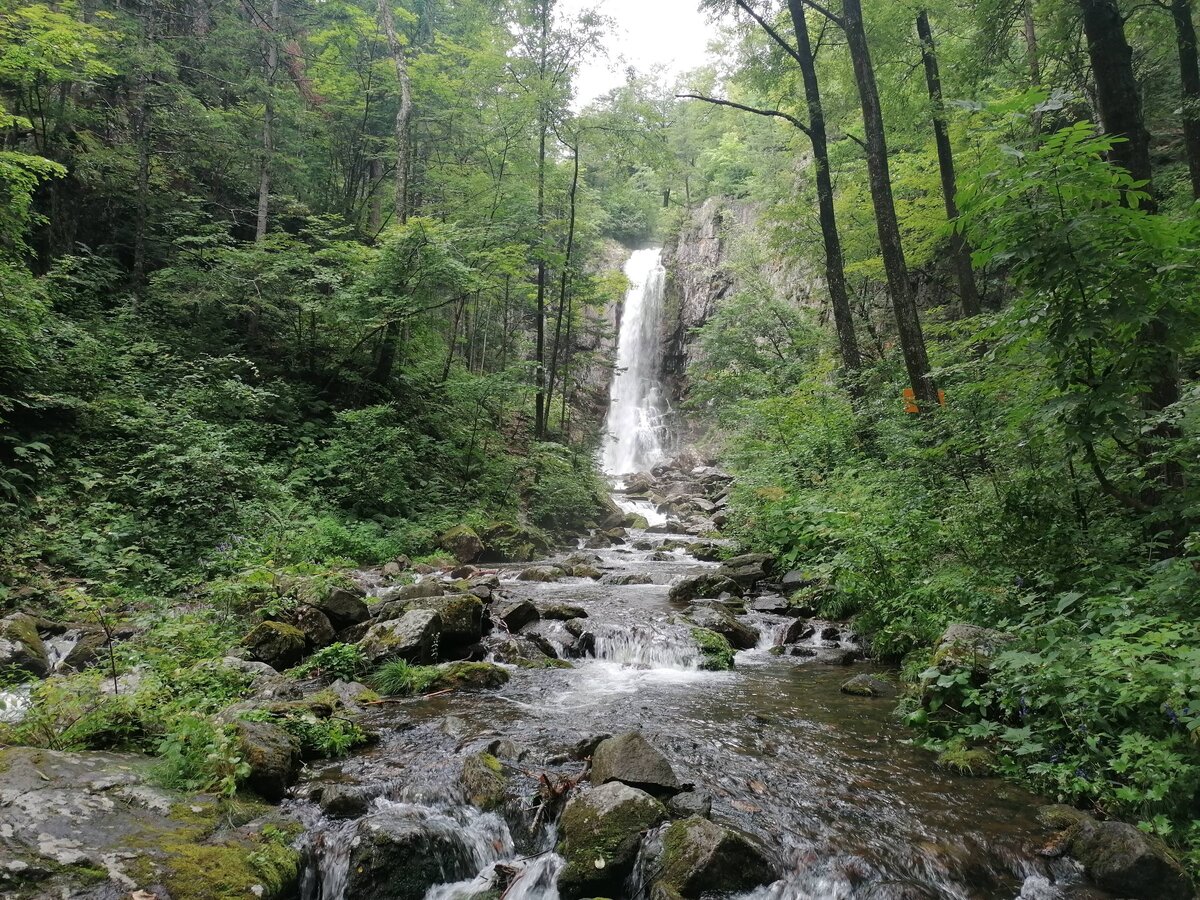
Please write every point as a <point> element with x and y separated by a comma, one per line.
<point>636,421</point>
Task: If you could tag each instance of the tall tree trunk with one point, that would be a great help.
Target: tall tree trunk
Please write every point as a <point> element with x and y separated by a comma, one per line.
<point>375,214</point>
<point>1189,80</point>
<point>268,141</point>
<point>908,321</point>
<point>543,128</point>
<point>835,267</point>
<point>403,113</point>
<point>564,281</point>
<point>959,249</point>
<point>1032,54</point>
<point>1120,107</point>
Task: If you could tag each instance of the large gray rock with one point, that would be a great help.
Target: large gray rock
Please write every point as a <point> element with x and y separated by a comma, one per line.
<point>318,630</point>
<point>21,646</point>
<point>720,620</point>
<point>700,857</point>
<point>272,755</point>
<point>463,543</point>
<point>400,853</point>
<point>277,644</point>
<point>462,614</point>
<point>601,833</point>
<point>1121,859</point>
<point>344,607</point>
<point>748,569</point>
<point>708,586</point>
<point>866,685</point>
<point>629,758</point>
<point>413,638</point>
<point>516,616</point>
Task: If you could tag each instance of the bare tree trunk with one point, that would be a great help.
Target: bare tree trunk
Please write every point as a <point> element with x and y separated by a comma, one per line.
<point>375,215</point>
<point>1120,107</point>
<point>904,306</point>
<point>1032,55</point>
<point>268,141</point>
<point>403,113</point>
<point>543,126</point>
<point>835,266</point>
<point>960,251</point>
<point>563,282</point>
<point>1189,80</point>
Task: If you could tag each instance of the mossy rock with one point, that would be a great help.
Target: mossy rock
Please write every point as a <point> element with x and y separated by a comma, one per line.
<point>867,685</point>
<point>21,646</point>
<point>524,663</point>
<point>700,857</point>
<point>601,833</point>
<point>462,542</point>
<point>277,644</point>
<point>484,780</point>
<point>469,676</point>
<point>967,761</point>
<point>718,653</point>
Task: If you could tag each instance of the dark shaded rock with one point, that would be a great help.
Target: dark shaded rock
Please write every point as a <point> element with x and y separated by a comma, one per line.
<point>763,561</point>
<point>584,748</point>
<point>272,755</point>
<point>708,586</point>
<point>469,676</point>
<point>541,573</point>
<point>690,803</point>
<point>278,645</point>
<point>869,686</point>
<point>771,603</point>
<point>344,607</point>
<point>21,646</point>
<point>716,618</point>
<point>705,551</point>
<point>91,647</point>
<point>700,857</point>
<point>563,612</point>
<point>413,637</point>
<point>516,616</point>
<point>419,591</point>
<point>1121,859</point>
<point>601,833</point>
<point>318,630</point>
<point>800,630</point>
<point>628,578</point>
<point>630,758</point>
<point>344,801</point>
<point>398,854</point>
<point>463,543</point>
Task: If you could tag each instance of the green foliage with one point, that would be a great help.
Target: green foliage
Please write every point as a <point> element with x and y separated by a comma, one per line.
<point>401,679</point>
<point>564,493</point>
<point>344,661</point>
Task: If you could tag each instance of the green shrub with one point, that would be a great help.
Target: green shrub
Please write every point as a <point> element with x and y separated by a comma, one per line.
<point>401,679</point>
<point>344,661</point>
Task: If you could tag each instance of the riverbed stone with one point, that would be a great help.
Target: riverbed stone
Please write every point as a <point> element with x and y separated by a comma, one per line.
<point>420,590</point>
<point>541,573</point>
<point>277,644</point>
<point>700,857</point>
<point>345,607</point>
<point>866,685</point>
<point>516,616</point>
<point>718,619</point>
<point>462,542</point>
<point>586,571</point>
<point>318,630</point>
<point>707,586</point>
<point>344,801</point>
<point>969,646</point>
<point>601,833</point>
<point>272,755</point>
<point>484,780</point>
<point>631,759</point>
<point>413,638</point>
<point>562,612</point>
<point>1128,862</point>
<point>461,614</point>
<point>469,676</point>
<point>628,578</point>
<point>21,646</point>
<point>396,856</point>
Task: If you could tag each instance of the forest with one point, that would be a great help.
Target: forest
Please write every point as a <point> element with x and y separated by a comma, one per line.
<point>309,320</point>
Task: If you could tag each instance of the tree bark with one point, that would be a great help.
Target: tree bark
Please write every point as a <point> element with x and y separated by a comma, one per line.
<point>403,113</point>
<point>904,306</point>
<point>543,127</point>
<point>564,281</point>
<point>1189,80</point>
<point>1032,54</point>
<point>960,251</point>
<point>835,266</point>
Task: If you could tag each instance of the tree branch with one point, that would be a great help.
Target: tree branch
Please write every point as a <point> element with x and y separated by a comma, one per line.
<point>772,113</point>
<point>770,30</point>
<point>836,20</point>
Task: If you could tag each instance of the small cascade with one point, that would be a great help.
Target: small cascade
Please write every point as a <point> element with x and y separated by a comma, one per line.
<point>646,647</point>
<point>643,508</point>
<point>636,424</point>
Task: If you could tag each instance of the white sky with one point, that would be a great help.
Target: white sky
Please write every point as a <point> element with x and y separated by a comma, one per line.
<point>648,33</point>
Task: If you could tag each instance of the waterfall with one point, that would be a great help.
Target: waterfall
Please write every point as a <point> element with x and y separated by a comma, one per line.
<point>636,414</point>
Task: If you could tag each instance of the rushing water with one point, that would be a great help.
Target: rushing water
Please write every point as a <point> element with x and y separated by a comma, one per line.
<point>636,417</point>
<point>830,784</point>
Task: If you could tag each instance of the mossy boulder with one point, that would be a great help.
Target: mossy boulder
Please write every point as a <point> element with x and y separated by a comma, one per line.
<point>631,759</point>
<point>469,676</point>
<point>272,756</point>
<point>708,586</point>
<point>601,833</point>
<point>318,630</point>
<point>463,543</point>
<point>484,780</point>
<point>541,573</point>
<point>715,617</point>
<point>396,854</point>
<point>345,606</point>
<point>508,542</point>
<point>1129,863</point>
<point>277,644</point>
<point>716,652</point>
<point>461,614</point>
<point>971,647</point>
<point>700,858</point>
<point>869,686</point>
<point>562,612</point>
<point>21,646</point>
<point>413,637</point>
<point>586,571</point>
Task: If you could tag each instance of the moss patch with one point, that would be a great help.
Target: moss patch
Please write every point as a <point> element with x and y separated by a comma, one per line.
<point>717,651</point>
<point>469,676</point>
<point>966,761</point>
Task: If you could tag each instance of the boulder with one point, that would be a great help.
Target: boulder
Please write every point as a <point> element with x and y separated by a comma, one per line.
<point>318,630</point>
<point>1129,863</point>
<point>629,758</point>
<point>484,781</point>
<point>563,612</point>
<point>716,618</point>
<point>747,574</point>
<point>506,542</point>
<point>601,833</point>
<point>272,755</point>
<point>763,561</point>
<point>771,603</point>
<point>869,686</point>
<point>278,645</point>
<point>708,586</point>
<point>969,646</point>
<point>469,676</point>
<point>399,853</point>
<point>705,551</point>
<point>413,638</point>
<point>700,858</point>
<point>690,803</point>
<point>344,801</point>
<point>541,573</point>
<point>795,579</point>
<point>344,607</point>
<point>800,630</point>
<point>421,590</point>
<point>717,652</point>
<point>462,614</point>
<point>21,646</point>
<point>516,616</point>
<point>463,543</point>
<point>583,571</point>
<point>628,578</point>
